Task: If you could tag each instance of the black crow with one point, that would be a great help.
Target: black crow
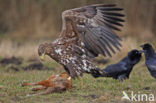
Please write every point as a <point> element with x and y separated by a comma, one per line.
<point>150,58</point>
<point>122,69</point>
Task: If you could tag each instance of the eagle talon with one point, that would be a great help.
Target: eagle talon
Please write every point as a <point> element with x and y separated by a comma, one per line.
<point>42,57</point>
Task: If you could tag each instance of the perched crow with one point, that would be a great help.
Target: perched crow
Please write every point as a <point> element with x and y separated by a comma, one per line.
<point>150,58</point>
<point>122,69</point>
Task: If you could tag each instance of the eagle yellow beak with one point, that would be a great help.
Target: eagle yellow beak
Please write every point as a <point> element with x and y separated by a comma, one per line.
<point>42,57</point>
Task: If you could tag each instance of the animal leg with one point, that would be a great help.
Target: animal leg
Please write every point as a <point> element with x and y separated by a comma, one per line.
<point>48,91</point>
<point>28,84</point>
<point>45,83</point>
<point>38,88</point>
<point>121,78</point>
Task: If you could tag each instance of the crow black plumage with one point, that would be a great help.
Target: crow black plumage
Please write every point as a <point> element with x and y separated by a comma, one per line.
<point>150,58</point>
<point>123,68</point>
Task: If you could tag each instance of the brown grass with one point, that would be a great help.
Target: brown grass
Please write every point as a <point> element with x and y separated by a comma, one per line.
<point>28,49</point>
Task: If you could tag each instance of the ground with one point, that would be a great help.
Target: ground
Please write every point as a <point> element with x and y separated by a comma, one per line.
<point>25,66</point>
<point>101,90</point>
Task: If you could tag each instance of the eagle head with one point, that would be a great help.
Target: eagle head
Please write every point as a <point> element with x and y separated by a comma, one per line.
<point>44,49</point>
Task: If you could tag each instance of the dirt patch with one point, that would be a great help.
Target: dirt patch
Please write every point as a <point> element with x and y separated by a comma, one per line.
<point>15,99</point>
<point>11,60</point>
<point>35,66</point>
<point>146,88</point>
<point>17,64</point>
<point>13,68</point>
<point>33,60</point>
<point>91,96</point>
<point>32,66</point>
<point>128,87</point>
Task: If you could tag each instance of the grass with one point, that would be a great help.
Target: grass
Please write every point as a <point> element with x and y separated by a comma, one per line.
<point>100,90</point>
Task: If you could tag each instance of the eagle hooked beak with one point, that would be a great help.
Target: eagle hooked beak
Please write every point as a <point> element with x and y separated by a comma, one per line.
<point>42,57</point>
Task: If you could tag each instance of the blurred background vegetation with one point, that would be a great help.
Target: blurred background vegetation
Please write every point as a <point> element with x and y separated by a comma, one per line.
<point>23,20</point>
<point>42,18</point>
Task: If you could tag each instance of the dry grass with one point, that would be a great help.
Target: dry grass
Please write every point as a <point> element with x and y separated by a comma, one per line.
<point>127,45</point>
<point>27,50</point>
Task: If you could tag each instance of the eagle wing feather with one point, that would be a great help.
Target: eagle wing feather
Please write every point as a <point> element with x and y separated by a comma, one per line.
<point>94,25</point>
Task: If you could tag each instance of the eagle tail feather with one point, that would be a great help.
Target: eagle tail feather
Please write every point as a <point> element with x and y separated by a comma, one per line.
<point>98,73</point>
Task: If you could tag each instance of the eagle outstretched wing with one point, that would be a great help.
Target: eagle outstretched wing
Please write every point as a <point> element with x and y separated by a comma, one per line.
<point>94,26</point>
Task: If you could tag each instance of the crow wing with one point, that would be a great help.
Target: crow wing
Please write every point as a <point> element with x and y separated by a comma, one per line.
<point>151,64</point>
<point>115,70</point>
<point>94,26</point>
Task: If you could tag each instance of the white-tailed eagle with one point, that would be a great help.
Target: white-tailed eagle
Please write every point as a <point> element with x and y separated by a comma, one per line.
<point>86,32</point>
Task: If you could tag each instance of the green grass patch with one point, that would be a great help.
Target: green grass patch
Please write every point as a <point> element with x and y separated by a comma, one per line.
<point>105,90</point>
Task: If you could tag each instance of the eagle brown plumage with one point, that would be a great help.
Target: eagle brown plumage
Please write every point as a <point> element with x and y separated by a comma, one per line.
<point>86,32</point>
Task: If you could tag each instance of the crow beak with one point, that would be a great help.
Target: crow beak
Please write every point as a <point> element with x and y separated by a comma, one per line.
<point>141,46</point>
<point>141,51</point>
<point>42,57</point>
